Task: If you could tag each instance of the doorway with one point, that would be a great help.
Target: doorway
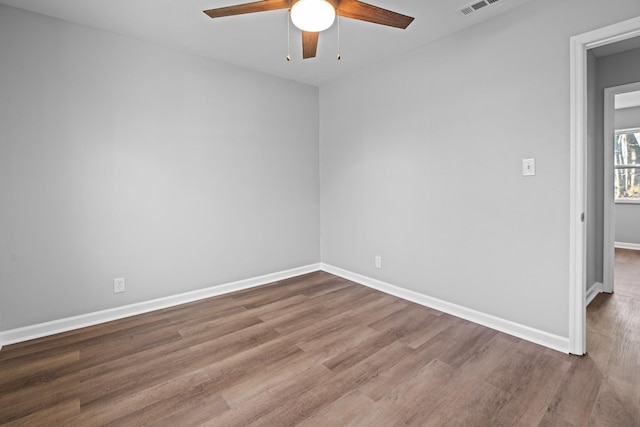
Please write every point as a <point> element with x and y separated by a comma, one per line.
<point>580,45</point>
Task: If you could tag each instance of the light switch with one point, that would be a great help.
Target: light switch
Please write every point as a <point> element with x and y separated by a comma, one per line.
<point>528,167</point>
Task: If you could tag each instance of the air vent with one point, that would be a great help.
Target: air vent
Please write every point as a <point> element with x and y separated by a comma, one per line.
<point>466,10</point>
<point>473,7</point>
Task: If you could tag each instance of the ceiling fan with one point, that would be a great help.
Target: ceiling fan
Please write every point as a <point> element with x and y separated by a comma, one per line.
<point>313,16</point>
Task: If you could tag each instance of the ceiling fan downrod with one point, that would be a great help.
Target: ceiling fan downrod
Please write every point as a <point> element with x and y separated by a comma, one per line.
<point>289,36</point>
<point>338,18</point>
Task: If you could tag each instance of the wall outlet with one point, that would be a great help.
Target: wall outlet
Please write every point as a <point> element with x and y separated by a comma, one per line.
<point>118,285</point>
<point>378,262</point>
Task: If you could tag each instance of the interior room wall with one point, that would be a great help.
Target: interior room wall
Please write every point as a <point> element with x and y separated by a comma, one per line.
<point>119,158</point>
<point>627,216</point>
<point>421,164</point>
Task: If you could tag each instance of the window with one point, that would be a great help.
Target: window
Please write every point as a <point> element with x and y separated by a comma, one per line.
<point>627,165</point>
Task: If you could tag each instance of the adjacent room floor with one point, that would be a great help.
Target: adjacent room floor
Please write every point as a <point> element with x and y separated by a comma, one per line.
<point>318,350</point>
<point>613,344</point>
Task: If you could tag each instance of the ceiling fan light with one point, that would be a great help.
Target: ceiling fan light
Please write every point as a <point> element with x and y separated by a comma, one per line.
<point>313,15</point>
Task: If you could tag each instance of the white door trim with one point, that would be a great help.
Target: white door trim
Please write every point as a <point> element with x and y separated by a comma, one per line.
<point>608,253</point>
<point>579,46</point>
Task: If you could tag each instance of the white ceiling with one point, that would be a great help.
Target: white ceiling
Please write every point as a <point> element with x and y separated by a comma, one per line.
<point>259,41</point>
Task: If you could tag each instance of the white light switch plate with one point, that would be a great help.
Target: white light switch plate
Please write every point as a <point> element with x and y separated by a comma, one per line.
<point>528,167</point>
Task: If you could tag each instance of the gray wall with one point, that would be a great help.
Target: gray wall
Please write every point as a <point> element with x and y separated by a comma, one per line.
<point>627,216</point>
<point>121,158</point>
<point>421,158</point>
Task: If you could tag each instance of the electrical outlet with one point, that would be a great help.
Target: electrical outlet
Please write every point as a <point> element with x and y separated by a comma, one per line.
<point>378,261</point>
<point>118,285</point>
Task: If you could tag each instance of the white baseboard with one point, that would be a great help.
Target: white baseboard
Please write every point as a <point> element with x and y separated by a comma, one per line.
<point>546,339</point>
<point>26,333</point>
<point>593,292</point>
<point>624,245</point>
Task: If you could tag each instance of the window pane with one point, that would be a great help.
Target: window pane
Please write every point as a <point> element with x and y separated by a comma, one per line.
<point>627,148</point>
<point>627,181</point>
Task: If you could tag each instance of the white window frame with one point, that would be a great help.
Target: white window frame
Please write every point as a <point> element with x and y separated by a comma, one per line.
<point>616,167</point>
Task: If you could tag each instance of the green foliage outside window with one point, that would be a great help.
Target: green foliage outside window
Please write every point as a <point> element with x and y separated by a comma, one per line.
<point>627,165</point>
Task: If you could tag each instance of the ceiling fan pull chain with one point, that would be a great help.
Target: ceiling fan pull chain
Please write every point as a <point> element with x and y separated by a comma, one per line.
<point>289,36</point>
<point>338,17</point>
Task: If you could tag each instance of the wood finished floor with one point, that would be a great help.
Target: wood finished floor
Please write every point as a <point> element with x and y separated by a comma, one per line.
<point>318,350</point>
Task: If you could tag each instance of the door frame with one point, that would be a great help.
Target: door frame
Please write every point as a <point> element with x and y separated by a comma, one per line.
<point>579,45</point>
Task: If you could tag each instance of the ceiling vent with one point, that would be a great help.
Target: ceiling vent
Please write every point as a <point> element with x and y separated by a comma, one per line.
<point>473,7</point>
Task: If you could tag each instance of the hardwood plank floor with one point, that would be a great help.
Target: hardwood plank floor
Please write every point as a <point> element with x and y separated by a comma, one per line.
<point>318,350</point>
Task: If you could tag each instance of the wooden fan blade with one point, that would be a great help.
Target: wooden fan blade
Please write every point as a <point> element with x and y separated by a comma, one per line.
<point>355,9</point>
<point>309,44</point>
<point>258,6</point>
